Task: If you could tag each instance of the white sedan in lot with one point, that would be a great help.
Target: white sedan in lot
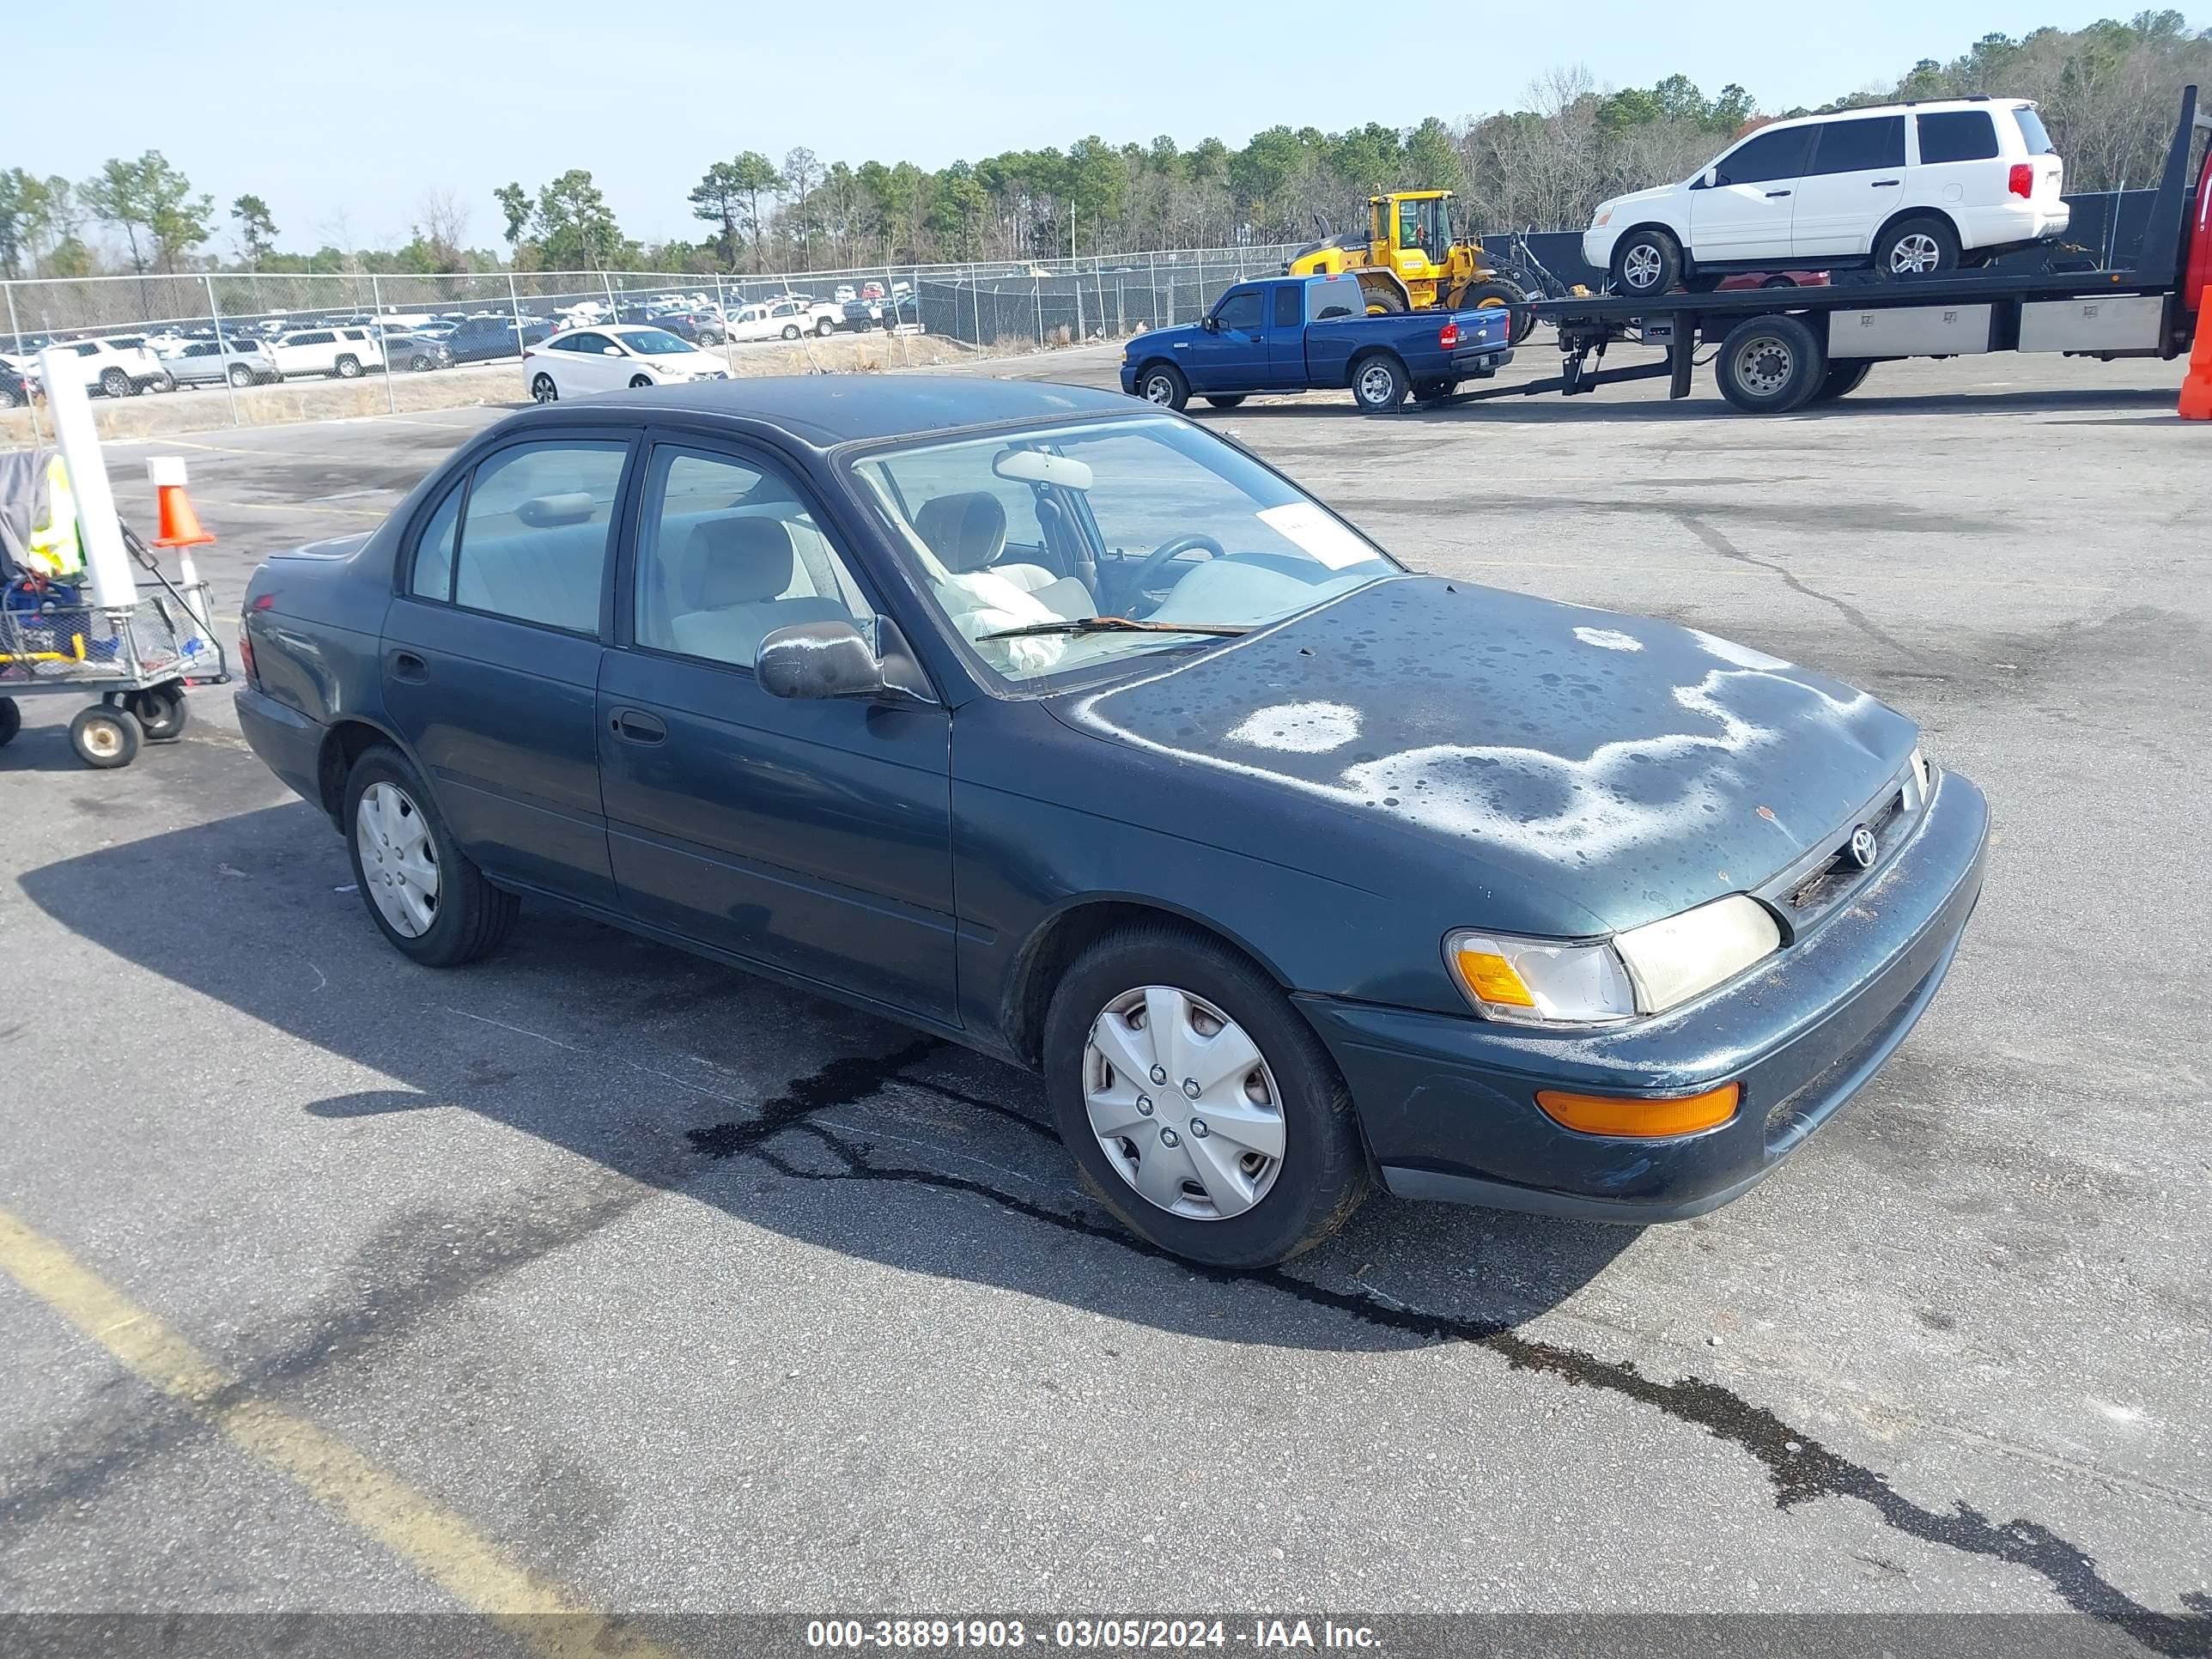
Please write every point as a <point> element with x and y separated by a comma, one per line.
<point>587,360</point>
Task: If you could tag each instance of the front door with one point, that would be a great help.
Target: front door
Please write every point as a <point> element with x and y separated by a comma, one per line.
<point>491,658</point>
<point>1854,181</point>
<point>1233,357</point>
<point>1745,212</point>
<point>812,836</point>
<point>596,364</point>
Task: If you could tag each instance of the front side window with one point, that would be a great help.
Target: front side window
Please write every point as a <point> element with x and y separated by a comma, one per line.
<point>534,534</point>
<point>1767,156</point>
<point>1148,519</point>
<point>1962,135</point>
<point>1241,310</point>
<point>727,553</point>
<point>1860,146</point>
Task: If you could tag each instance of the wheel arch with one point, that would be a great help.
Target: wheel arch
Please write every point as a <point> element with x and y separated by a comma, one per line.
<point>1368,353</point>
<point>343,744</point>
<point>1675,233</point>
<point>1056,943</point>
<point>1154,362</point>
<point>1903,214</point>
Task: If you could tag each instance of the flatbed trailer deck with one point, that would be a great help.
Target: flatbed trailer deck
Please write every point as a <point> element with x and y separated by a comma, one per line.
<point>1780,349</point>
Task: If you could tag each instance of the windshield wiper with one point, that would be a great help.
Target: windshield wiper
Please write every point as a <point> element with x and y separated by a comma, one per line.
<point>1114,625</point>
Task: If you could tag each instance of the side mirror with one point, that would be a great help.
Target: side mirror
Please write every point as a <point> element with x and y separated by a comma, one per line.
<point>819,659</point>
<point>610,352</point>
<point>1211,325</point>
<point>1713,178</point>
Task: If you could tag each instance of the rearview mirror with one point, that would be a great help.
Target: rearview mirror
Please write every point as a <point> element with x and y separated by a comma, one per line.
<point>1034,466</point>
<point>819,659</point>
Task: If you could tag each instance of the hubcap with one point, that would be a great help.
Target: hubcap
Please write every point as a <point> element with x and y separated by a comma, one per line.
<point>103,739</point>
<point>543,390</point>
<point>1209,1144</point>
<point>1375,385</point>
<point>1916,252</point>
<point>1159,389</point>
<point>1640,268</point>
<point>1763,366</point>
<point>399,860</point>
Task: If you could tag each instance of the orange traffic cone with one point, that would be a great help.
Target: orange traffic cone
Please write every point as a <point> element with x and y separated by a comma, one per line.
<point>180,525</point>
<point>2197,390</point>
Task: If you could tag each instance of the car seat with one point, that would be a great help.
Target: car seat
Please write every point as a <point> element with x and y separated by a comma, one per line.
<point>739,579</point>
<point>966,531</point>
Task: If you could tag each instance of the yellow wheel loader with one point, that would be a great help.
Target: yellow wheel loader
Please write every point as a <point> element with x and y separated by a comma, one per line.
<point>1412,260</point>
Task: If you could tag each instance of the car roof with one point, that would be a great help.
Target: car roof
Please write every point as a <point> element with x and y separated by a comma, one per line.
<point>1930,106</point>
<point>822,411</point>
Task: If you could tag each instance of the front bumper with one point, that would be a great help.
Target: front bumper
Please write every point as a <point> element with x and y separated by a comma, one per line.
<point>1448,1104</point>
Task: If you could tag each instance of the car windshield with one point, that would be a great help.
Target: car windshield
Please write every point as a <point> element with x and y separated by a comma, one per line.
<point>1150,520</point>
<point>652,342</point>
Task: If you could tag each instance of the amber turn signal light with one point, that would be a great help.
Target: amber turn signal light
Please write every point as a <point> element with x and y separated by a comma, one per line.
<point>1613,1115</point>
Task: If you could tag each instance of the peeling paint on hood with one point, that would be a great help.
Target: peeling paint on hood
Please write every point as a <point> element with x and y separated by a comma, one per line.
<point>1633,769</point>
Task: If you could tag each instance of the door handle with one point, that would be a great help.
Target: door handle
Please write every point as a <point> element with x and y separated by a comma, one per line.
<point>1771,194</point>
<point>406,666</point>
<point>1879,183</point>
<point>635,726</point>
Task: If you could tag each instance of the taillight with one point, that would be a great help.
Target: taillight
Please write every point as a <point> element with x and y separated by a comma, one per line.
<point>2021,183</point>
<point>1447,336</point>
<point>245,652</point>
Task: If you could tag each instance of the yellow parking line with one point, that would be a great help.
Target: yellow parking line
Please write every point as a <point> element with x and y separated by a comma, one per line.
<point>433,1539</point>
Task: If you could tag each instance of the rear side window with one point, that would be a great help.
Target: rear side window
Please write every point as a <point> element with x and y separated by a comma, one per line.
<point>433,575</point>
<point>1963,134</point>
<point>1861,146</point>
<point>1768,155</point>
<point>1286,307</point>
<point>1340,296</point>
<point>534,534</point>
<point>2032,132</point>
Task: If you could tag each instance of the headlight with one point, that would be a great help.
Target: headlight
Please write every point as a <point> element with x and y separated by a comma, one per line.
<point>1604,214</point>
<point>1645,970</point>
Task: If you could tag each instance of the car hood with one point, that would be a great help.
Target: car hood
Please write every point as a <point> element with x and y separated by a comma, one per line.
<point>1161,339</point>
<point>1618,205</point>
<point>1610,769</point>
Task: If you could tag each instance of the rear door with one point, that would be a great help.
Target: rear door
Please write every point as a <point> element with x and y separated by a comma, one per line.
<point>1745,214</point>
<point>1232,356</point>
<point>1286,335</point>
<point>1854,181</point>
<point>491,656</point>
<point>812,835</point>
<point>1960,168</point>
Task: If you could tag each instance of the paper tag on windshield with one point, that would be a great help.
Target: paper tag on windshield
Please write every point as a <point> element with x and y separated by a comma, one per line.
<point>1317,533</point>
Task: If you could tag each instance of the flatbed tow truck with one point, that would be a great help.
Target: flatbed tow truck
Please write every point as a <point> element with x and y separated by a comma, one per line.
<point>1780,349</point>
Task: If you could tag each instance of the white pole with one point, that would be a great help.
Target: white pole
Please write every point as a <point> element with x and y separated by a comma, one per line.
<point>376,310</point>
<point>514,306</point>
<point>722,308</point>
<point>15,328</point>
<point>113,588</point>
<point>222,351</point>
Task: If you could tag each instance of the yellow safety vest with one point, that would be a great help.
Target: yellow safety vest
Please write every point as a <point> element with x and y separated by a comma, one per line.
<point>55,551</point>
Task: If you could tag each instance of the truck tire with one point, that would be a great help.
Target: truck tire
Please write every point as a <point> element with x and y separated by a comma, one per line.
<point>1918,247</point>
<point>1842,379</point>
<point>1499,294</point>
<point>1228,402</point>
<point>1379,383</point>
<point>1769,365</point>
<point>1646,262</point>
<point>1162,384</point>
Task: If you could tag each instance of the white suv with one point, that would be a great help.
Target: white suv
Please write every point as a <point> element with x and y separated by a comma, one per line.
<point>345,352</point>
<point>1907,188</point>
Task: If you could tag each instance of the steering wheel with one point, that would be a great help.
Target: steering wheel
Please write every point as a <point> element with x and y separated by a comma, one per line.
<point>1134,583</point>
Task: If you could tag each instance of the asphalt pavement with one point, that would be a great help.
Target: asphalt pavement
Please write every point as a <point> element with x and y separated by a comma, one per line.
<point>683,1293</point>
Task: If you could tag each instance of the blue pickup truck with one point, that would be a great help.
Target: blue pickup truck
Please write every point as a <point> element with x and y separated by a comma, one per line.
<point>1306,333</point>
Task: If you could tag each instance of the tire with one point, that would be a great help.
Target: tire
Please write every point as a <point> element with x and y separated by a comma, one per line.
<point>114,383</point>
<point>421,364</point>
<point>1769,365</point>
<point>1646,262</point>
<point>543,390</point>
<point>160,712</point>
<point>164,382</point>
<point>106,737</point>
<point>1264,1205</point>
<point>791,331</point>
<point>11,721</point>
<point>1779,282</point>
<point>1500,294</point>
<point>1385,298</point>
<point>1228,402</point>
<point>8,398</point>
<point>639,382</point>
<point>1379,384</point>
<point>348,367</point>
<point>241,375</point>
<point>1162,384</point>
<point>466,915</point>
<point>1918,247</point>
<point>1841,380</point>
<point>823,328</point>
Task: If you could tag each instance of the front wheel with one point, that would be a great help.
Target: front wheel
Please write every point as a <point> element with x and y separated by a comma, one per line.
<point>791,331</point>
<point>1646,262</point>
<point>1229,401</point>
<point>1198,1107</point>
<point>1769,365</point>
<point>164,382</point>
<point>1164,384</point>
<point>542,390</point>
<point>114,383</point>
<point>241,375</point>
<point>105,737</point>
<point>639,382</point>
<point>421,889</point>
<point>823,325</point>
<point>348,369</point>
<point>1378,384</point>
<point>1917,247</point>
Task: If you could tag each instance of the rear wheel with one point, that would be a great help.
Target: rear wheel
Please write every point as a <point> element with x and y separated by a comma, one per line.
<point>1842,379</point>
<point>1379,384</point>
<point>349,367</point>
<point>1228,402</point>
<point>160,712</point>
<point>11,721</point>
<point>115,383</point>
<point>240,375</point>
<point>1646,262</point>
<point>106,737</point>
<point>164,381</point>
<point>823,325</point>
<point>1198,1105</point>
<point>791,331</point>
<point>1917,247</point>
<point>1769,365</point>
<point>421,889</point>
<point>543,390</point>
<point>1164,384</point>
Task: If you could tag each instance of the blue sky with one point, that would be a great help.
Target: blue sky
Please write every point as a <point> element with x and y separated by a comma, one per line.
<point>342,117</point>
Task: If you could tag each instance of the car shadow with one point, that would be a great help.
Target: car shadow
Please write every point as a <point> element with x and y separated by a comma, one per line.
<point>883,1144</point>
<point>1704,405</point>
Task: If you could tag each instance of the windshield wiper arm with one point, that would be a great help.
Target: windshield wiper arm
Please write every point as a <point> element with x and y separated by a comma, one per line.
<point>1114,625</point>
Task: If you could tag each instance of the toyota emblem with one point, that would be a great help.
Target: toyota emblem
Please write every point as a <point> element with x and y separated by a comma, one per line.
<point>1863,848</point>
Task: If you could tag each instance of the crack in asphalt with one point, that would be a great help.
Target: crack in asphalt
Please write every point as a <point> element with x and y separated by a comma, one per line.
<point>1798,1466</point>
<point>1849,613</point>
